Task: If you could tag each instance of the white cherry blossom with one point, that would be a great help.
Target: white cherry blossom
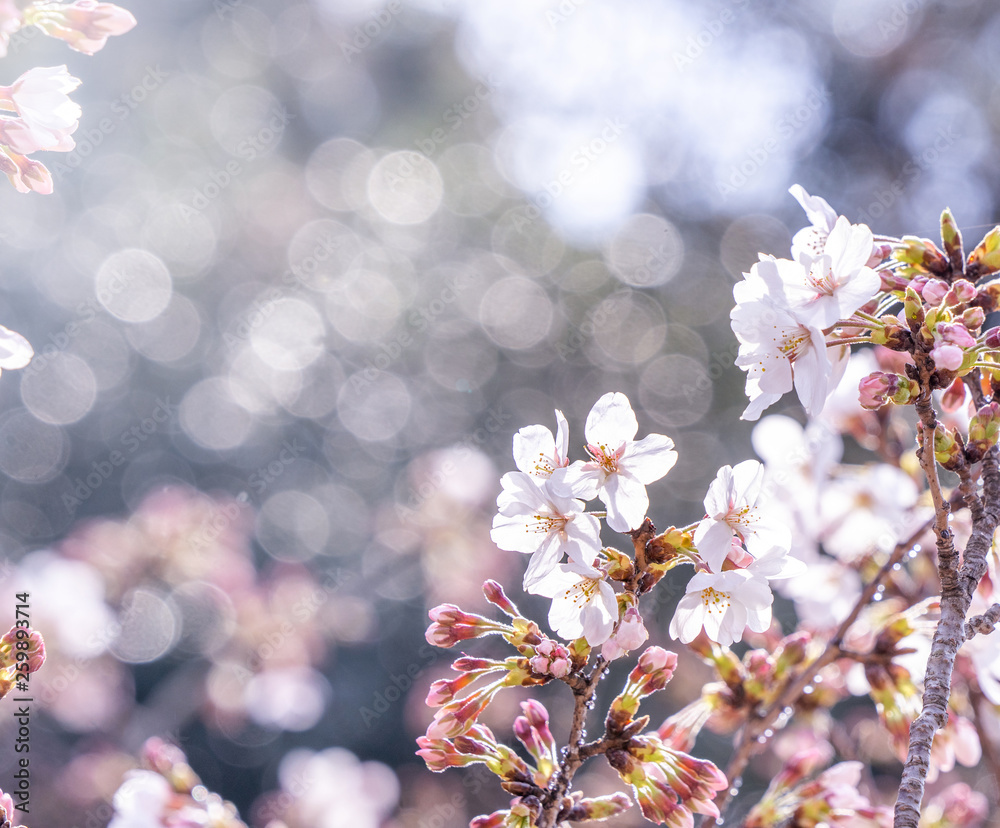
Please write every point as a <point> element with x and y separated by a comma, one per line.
<point>535,521</point>
<point>15,350</point>
<point>47,115</point>
<point>810,241</point>
<point>777,349</point>
<point>620,467</point>
<point>540,455</point>
<point>830,286</point>
<point>724,604</point>
<point>583,603</point>
<point>734,509</point>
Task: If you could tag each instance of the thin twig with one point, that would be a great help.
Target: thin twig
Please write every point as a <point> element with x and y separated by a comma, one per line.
<point>796,683</point>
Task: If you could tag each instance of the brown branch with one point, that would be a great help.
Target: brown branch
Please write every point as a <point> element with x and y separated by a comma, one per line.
<point>796,683</point>
<point>957,588</point>
<point>583,693</point>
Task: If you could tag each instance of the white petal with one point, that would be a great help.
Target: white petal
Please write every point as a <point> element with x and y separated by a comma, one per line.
<point>818,211</point>
<point>534,450</point>
<point>611,421</point>
<point>626,501</point>
<point>650,458</point>
<point>15,350</point>
<point>713,539</point>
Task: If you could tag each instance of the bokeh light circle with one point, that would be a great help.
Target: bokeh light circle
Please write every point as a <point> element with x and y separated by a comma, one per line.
<point>210,416</point>
<point>133,285</point>
<point>61,390</point>
<point>516,313</point>
<point>405,187</point>
<point>374,405</point>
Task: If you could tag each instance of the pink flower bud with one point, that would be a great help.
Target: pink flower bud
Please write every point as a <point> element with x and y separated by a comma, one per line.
<point>656,659</point>
<point>963,290</point>
<point>973,318</point>
<point>948,357</point>
<point>934,291</point>
<point>495,595</point>
<point>632,632</point>
<point>874,390</point>
<point>955,333</point>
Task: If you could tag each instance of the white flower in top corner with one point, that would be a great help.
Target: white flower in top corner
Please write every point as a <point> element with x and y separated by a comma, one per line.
<point>15,350</point>
<point>810,241</point>
<point>733,507</point>
<point>583,603</point>
<point>777,350</point>
<point>830,286</point>
<point>620,467</point>
<point>537,453</point>
<point>47,116</point>
<point>535,521</point>
<point>724,604</point>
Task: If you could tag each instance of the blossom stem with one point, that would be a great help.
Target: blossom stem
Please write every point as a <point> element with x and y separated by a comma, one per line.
<point>852,340</point>
<point>957,588</point>
<point>796,683</point>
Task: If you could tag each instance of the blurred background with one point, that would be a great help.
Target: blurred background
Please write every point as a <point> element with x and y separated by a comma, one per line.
<point>312,264</point>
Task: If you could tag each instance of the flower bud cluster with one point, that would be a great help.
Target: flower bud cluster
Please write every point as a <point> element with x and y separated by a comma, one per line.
<point>670,786</point>
<point>833,798</point>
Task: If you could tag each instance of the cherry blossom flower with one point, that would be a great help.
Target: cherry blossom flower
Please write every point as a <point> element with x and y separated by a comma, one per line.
<point>831,286</point>
<point>583,603</point>
<point>733,507</point>
<point>141,801</point>
<point>47,116</point>
<point>535,521</point>
<point>777,349</point>
<point>725,604</point>
<point>85,25</point>
<point>537,453</point>
<point>810,241</point>
<point>15,350</point>
<point>620,468</point>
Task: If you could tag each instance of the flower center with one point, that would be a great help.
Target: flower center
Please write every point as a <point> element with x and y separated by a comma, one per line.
<point>543,524</point>
<point>581,593</point>
<point>793,344</point>
<point>821,277</point>
<point>605,457</point>
<point>715,601</point>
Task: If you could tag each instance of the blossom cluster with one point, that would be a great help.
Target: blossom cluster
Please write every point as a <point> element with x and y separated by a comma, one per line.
<point>38,114</point>
<point>842,542</point>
